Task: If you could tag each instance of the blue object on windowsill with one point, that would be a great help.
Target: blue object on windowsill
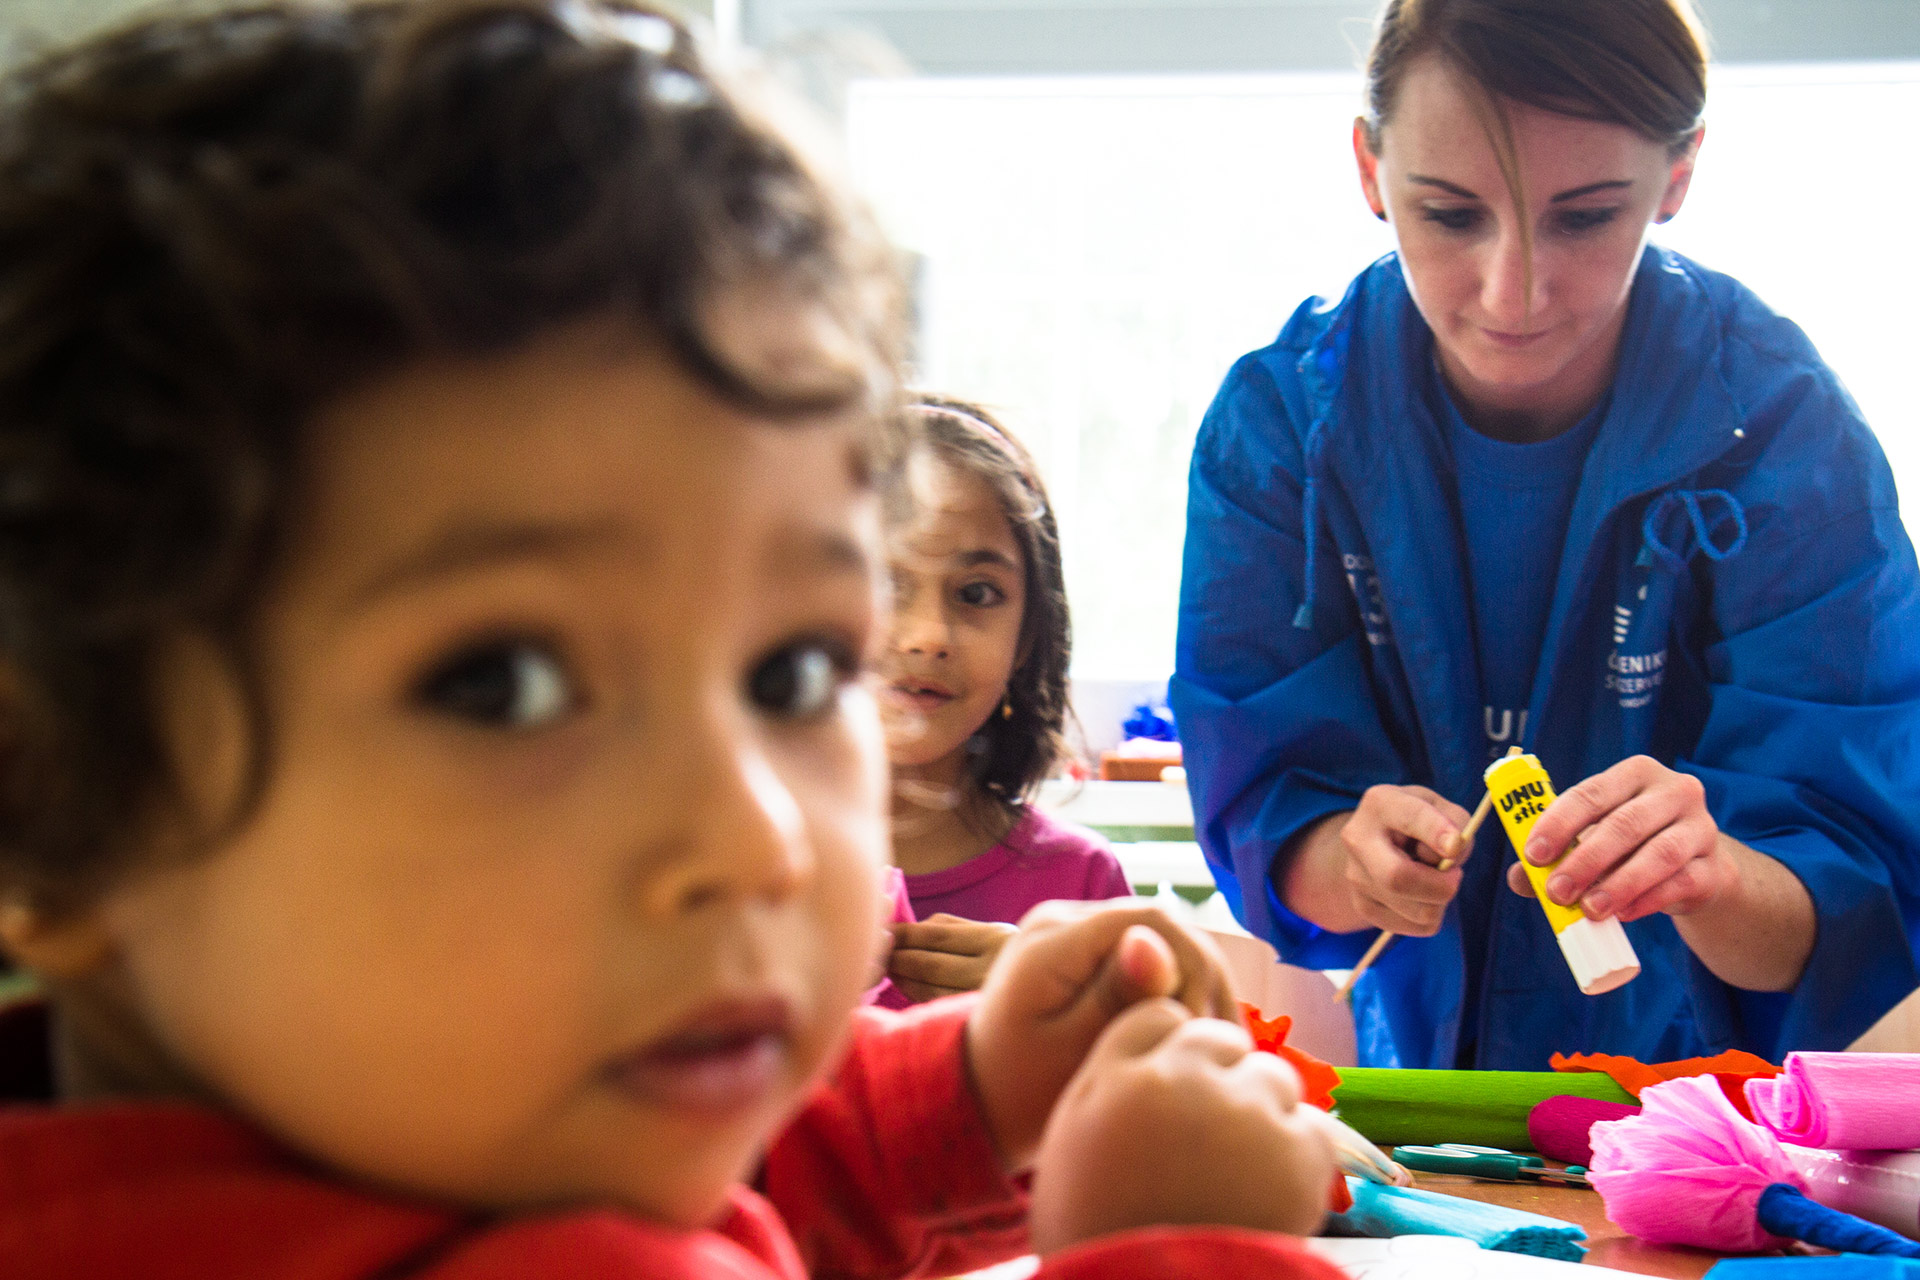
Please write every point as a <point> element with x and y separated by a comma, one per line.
<point>1406,1211</point>
<point>1151,720</point>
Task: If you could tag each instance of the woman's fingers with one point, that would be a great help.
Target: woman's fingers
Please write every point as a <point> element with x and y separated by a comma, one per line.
<point>1646,844</point>
<point>1636,826</point>
<point>1456,817</point>
<point>1409,814</point>
<point>1411,920</point>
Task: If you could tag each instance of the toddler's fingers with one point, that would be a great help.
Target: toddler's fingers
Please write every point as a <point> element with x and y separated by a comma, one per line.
<point>1072,942</point>
<point>1143,966</point>
<point>1272,1077</point>
<point>1136,1033</point>
<point>1211,1041</point>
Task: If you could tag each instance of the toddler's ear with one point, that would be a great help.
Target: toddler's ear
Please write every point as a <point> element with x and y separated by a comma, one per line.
<point>66,946</point>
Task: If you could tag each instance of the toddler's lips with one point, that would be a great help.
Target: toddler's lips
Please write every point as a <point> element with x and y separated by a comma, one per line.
<point>725,1059</point>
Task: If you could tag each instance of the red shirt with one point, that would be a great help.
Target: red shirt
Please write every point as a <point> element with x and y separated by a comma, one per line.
<point>887,1171</point>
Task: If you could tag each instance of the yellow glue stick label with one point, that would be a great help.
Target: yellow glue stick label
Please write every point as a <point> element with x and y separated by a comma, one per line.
<point>1521,793</point>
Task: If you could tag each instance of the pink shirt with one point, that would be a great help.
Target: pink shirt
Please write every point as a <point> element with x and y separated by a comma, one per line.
<point>1039,860</point>
<point>893,887</point>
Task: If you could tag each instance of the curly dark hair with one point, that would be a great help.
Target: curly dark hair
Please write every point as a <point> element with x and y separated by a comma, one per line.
<point>212,225</point>
<point>1013,753</point>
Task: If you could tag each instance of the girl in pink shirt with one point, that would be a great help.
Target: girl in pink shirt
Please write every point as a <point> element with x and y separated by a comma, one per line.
<point>976,695</point>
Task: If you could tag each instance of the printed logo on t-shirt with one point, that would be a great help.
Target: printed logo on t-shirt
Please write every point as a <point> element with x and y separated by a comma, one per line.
<point>1365,585</point>
<point>1505,727</point>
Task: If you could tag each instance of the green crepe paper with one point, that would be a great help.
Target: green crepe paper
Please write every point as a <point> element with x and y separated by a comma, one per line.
<point>1487,1108</point>
<point>1404,1211</point>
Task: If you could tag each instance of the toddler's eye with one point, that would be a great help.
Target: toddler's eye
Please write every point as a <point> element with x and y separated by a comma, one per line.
<point>799,681</point>
<point>980,595</point>
<point>507,684</point>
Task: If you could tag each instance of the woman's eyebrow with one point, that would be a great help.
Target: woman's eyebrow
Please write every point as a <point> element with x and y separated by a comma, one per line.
<point>1450,188</point>
<point>1613,184</point>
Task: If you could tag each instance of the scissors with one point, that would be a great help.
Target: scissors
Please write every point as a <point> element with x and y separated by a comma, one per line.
<point>1490,1163</point>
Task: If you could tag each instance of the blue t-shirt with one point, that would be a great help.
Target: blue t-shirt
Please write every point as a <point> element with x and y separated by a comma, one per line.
<point>1515,502</point>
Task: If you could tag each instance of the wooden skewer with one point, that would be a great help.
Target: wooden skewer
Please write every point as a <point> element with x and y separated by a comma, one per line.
<point>1461,844</point>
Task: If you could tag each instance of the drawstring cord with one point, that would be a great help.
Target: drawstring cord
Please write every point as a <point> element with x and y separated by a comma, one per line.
<point>1310,516</point>
<point>1701,529</point>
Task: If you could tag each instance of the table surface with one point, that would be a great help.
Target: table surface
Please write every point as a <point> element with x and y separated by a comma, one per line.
<point>1607,1245</point>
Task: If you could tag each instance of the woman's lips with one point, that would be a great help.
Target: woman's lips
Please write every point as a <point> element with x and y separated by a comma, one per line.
<point>1513,341</point>
<point>728,1057</point>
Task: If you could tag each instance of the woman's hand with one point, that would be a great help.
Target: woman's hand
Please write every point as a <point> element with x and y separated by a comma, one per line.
<point>1647,844</point>
<point>1378,865</point>
<point>1072,968</point>
<point>1176,1119</point>
<point>944,954</point>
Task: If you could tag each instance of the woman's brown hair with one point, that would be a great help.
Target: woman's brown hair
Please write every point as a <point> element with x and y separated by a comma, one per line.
<point>213,224</point>
<point>1015,750</point>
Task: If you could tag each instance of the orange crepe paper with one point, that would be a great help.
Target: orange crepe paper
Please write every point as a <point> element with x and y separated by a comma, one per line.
<point>1732,1069</point>
<point>1317,1081</point>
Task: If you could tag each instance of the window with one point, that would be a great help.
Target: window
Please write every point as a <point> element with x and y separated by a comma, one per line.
<point>1097,251</point>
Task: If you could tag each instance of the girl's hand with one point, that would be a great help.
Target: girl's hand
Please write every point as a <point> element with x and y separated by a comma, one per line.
<point>1647,844</point>
<point>1176,1119</point>
<point>1394,843</point>
<point>1072,968</point>
<point>944,954</point>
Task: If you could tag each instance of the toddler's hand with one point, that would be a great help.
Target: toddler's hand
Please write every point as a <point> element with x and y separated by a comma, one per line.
<point>1178,1120</point>
<point>1071,968</point>
<point>944,954</point>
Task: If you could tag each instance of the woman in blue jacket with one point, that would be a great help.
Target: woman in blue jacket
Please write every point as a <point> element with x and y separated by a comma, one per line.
<point>1532,481</point>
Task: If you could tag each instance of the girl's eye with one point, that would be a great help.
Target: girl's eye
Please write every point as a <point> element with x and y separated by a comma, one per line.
<point>980,595</point>
<point>800,681</point>
<point>504,684</point>
<point>1453,219</point>
<point>1576,221</point>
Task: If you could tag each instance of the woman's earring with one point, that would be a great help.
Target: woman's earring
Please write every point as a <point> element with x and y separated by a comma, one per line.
<point>1006,708</point>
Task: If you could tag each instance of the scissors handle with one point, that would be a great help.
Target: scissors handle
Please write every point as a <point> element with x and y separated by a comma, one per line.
<point>1490,1163</point>
<point>1483,1162</point>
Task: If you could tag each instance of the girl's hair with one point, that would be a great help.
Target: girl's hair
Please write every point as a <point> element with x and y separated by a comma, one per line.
<point>1013,753</point>
<point>213,225</point>
<point>1637,63</point>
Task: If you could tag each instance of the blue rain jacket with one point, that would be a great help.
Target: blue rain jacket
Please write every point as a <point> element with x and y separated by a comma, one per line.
<point>1737,598</point>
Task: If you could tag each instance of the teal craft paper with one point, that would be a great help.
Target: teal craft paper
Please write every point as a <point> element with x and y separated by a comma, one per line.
<point>1404,1211</point>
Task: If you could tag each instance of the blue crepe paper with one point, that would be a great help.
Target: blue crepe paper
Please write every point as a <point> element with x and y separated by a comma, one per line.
<point>1784,1211</point>
<point>1846,1266</point>
<point>1404,1211</point>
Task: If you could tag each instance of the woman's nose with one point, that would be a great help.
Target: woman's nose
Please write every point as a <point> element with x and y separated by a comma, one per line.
<point>740,833</point>
<point>1511,288</point>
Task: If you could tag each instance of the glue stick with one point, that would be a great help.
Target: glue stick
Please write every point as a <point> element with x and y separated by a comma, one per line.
<point>1597,951</point>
